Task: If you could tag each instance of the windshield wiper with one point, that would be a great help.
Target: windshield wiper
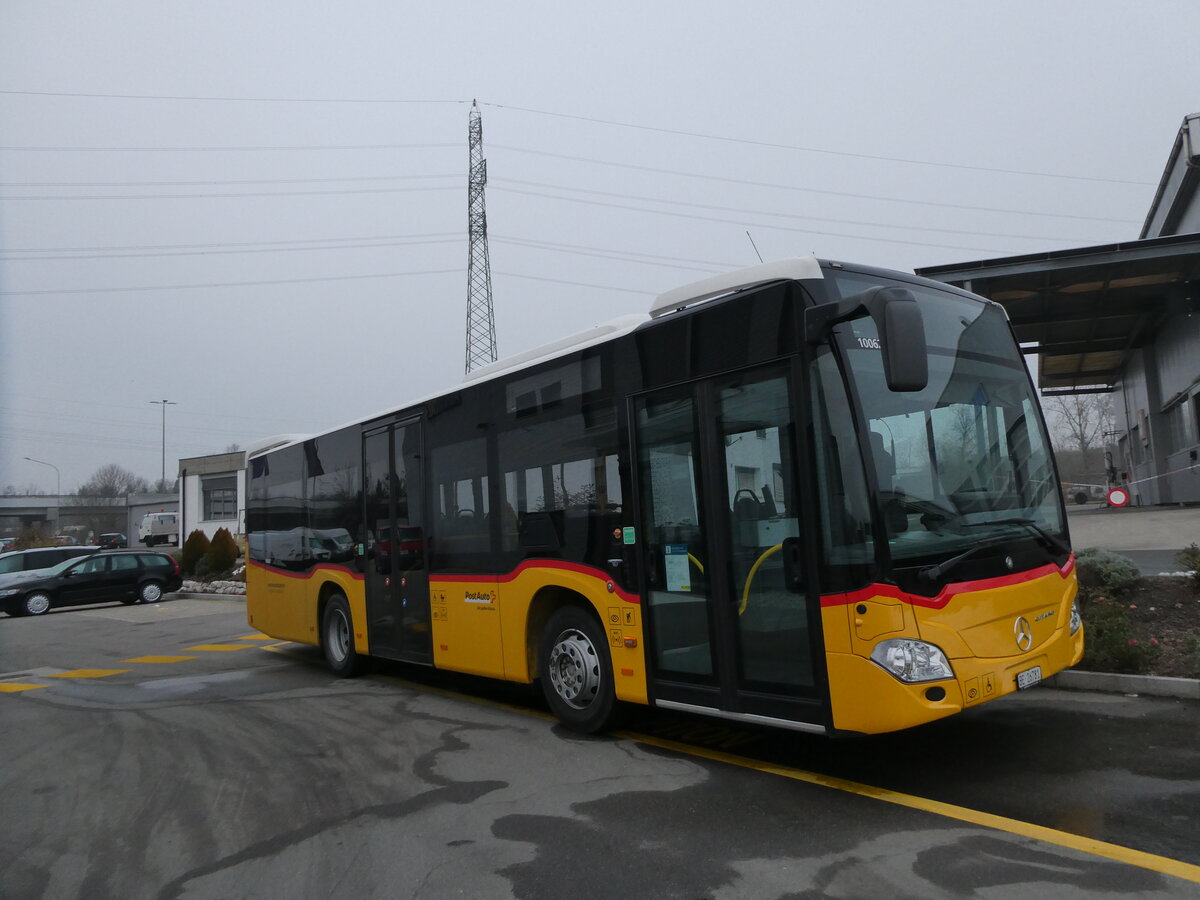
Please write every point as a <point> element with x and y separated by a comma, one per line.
<point>1046,536</point>
<point>934,573</point>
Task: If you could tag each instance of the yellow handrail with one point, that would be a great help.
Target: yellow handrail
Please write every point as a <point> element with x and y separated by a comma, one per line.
<point>749,578</point>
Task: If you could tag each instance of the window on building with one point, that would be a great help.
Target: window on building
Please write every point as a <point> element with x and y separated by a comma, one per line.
<point>220,497</point>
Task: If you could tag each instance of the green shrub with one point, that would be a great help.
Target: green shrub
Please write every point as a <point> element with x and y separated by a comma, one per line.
<point>1105,571</point>
<point>1192,642</point>
<point>222,552</point>
<point>194,549</point>
<point>1189,559</point>
<point>1109,641</point>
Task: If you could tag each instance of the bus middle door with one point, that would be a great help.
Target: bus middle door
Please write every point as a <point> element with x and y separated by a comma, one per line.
<point>727,603</point>
<point>397,576</point>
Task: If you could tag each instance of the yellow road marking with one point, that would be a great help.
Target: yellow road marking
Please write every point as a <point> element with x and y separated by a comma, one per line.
<point>1127,855</point>
<point>278,648</point>
<point>219,648</point>
<point>1164,865</point>
<point>158,659</point>
<point>1116,852</point>
<point>12,687</point>
<point>255,637</point>
<point>89,673</point>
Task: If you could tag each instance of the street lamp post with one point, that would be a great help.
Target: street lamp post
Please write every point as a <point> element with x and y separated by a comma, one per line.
<point>162,483</point>
<point>57,489</point>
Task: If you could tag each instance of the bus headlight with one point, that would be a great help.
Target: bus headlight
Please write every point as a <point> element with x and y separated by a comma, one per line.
<point>1076,619</point>
<point>912,661</point>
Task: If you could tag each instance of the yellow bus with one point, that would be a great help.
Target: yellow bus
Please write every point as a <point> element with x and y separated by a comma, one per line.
<point>806,494</point>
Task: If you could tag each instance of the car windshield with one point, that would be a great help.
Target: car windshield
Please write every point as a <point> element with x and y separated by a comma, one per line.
<point>966,459</point>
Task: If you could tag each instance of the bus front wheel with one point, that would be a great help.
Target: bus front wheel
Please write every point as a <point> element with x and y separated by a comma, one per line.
<point>576,671</point>
<point>337,639</point>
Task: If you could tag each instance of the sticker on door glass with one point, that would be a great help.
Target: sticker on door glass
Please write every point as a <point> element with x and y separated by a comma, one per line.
<point>679,577</point>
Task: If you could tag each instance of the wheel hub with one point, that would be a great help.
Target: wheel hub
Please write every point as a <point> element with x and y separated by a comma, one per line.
<point>38,604</point>
<point>575,669</point>
<point>339,635</point>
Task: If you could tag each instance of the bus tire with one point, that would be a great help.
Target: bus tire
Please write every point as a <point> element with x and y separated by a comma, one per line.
<point>337,639</point>
<point>576,671</point>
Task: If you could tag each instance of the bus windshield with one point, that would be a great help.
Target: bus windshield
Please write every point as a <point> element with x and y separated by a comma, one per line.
<point>966,460</point>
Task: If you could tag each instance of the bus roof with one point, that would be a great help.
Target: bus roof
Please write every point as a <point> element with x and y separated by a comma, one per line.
<point>795,268</point>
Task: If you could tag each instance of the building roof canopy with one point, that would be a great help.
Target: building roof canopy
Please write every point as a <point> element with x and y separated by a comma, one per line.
<point>1086,310</point>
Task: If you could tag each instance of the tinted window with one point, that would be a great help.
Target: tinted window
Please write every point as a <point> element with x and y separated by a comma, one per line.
<point>154,560</point>
<point>334,494</point>
<point>461,504</point>
<point>124,562</point>
<point>562,491</point>
<point>277,516</point>
<point>93,566</point>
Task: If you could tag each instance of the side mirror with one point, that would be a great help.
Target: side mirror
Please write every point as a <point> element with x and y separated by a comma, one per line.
<point>901,328</point>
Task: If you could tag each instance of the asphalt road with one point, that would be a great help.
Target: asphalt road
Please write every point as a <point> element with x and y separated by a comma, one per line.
<point>166,751</point>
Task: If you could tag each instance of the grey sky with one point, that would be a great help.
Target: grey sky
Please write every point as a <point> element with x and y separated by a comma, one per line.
<point>287,286</point>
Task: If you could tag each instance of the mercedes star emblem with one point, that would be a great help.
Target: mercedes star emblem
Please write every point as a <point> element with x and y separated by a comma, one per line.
<point>1023,632</point>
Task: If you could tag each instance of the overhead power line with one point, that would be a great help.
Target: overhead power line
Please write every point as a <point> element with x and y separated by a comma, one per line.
<point>232,196</point>
<point>575,117</point>
<point>652,259</point>
<point>759,212</point>
<point>229,148</point>
<point>223,284</point>
<point>801,148</point>
<point>94,184</point>
<point>184,414</point>
<point>744,224</point>
<point>199,97</point>
<point>230,252</point>
<point>808,190</point>
<point>97,249</point>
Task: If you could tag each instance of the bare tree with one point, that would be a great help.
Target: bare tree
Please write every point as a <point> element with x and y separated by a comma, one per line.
<point>1077,424</point>
<point>113,481</point>
<point>1080,420</point>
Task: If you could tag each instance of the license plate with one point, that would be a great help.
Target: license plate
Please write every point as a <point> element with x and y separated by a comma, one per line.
<point>1029,678</point>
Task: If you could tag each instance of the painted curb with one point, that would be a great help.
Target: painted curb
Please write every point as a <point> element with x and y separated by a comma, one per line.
<point>1142,685</point>
<point>195,595</point>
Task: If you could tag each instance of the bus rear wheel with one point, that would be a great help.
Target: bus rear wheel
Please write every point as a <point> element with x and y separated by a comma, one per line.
<point>576,671</point>
<point>337,639</point>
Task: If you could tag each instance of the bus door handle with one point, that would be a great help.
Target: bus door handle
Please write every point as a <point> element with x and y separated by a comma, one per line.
<point>624,566</point>
<point>793,565</point>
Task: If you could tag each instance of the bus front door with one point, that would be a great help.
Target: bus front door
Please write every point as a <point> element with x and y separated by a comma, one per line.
<point>729,610</point>
<point>396,576</point>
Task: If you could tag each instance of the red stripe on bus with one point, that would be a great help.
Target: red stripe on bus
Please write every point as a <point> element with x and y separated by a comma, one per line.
<point>303,576</point>
<point>950,591</point>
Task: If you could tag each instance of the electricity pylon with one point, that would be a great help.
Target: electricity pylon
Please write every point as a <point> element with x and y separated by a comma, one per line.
<point>481,321</point>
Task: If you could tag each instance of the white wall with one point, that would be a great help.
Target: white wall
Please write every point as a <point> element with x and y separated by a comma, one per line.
<point>192,505</point>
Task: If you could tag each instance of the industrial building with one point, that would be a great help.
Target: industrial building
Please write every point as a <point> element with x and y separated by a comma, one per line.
<point>1121,318</point>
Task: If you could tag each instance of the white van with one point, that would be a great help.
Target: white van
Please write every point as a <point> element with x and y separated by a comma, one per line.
<point>159,528</point>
